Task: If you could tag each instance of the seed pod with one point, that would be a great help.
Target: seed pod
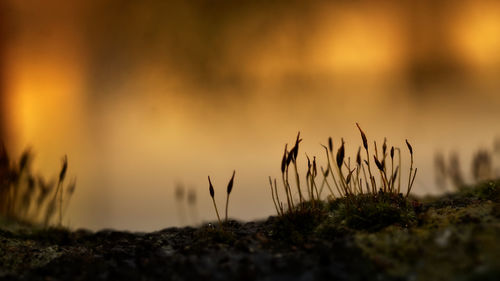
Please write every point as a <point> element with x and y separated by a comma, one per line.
<point>211,188</point>
<point>392,152</point>
<point>330,144</point>
<point>283,161</point>
<point>64,168</point>
<point>380,166</point>
<point>295,150</point>
<point>230,184</point>
<point>24,160</point>
<point>298,139</point>
<point>409,147</point>
<point>358,157</point>
<point>293,153</point>
<point>384,146</point>
<point>363,136</point>
<point>340,155</point>
<point>315,169</point>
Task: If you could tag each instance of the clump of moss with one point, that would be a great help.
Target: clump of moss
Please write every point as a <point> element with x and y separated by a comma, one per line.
<point>372,213</point>
<point>467,195</point>
<point>361,198</point>
<point>450,242</point>
<point>487,190</point>
<point>216,234</point>
<point>296,226</point>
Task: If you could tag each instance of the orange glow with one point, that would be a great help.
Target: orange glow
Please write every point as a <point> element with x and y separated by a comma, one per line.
<point>45,97</point>
<point>477,33</point>
<point>143,96</point>
<point>353,41</point>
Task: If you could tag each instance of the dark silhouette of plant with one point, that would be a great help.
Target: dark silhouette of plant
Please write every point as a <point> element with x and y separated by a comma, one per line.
<point>24,196</point>
<point>349,179</point>
<point>212,194</point>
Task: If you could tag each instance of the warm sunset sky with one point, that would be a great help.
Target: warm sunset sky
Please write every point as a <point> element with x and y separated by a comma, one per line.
<point>143,95</point>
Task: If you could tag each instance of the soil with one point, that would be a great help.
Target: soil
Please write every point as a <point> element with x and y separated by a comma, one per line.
<point>453,237</point>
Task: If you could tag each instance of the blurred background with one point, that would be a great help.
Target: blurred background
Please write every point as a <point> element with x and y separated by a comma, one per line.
<point>146,96</point>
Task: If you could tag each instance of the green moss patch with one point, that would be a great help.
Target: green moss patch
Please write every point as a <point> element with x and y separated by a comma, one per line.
<point>373,212</point>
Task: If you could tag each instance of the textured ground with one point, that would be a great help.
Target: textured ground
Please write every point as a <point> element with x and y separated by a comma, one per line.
<point>454,237</point>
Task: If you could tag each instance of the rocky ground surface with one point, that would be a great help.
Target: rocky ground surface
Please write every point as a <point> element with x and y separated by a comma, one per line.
<point>453,237</point>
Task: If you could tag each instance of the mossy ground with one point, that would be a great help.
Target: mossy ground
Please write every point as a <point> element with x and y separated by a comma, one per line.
<point>456,237</point>
<point>384,237</point>
<point>451,237</point>
<point>363,212</point>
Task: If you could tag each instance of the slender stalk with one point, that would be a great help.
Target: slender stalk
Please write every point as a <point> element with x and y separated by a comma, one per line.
<point>229,189</point>
<point>411,184</point>
<point>308,185</point>
<point>360,188</point>
<point>370,171</point>
<point>289,189</point>
<point>272,195</point>
<point>410,175</point>
<point>366,180</point>
<point>342,180</point>
<point>411,168</point>
<point>399,178</point>
<point>391,186</point>
<point>386,181</point>
<point>288,195</point>
<point>61,205</point>
<point>314,187</point>
<point>325,181</point>
<point>297,179</point>
<point>349,184</point>
<point>217,212</point>
<point>212,194</point>
<point>278,197</point>
<point>55,199</point>
<point>331,171</point>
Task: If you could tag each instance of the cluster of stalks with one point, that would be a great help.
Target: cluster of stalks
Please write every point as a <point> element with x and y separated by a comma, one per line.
<point>485,165</point>
<point>183,196</point>
<point>28,197</point>
<point>212,194</point>
<point>341,177</point>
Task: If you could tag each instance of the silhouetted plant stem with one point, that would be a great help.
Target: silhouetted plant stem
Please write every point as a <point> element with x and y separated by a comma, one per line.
<point>331,171</point>
<point>400,172</point>
<point>272,194</point>
<point>217,212</point>
<point>278,198</point>
<point>410,180</point>
<point>212,194</point>
<point>289,189</point>
<point>229,189</point>
<point>325,181</point>
<point>297,179</point>
<point>365,145</point>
